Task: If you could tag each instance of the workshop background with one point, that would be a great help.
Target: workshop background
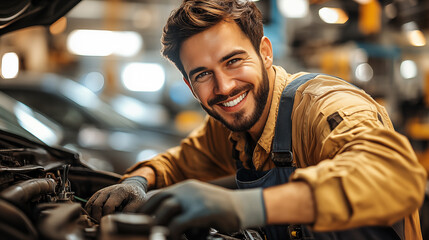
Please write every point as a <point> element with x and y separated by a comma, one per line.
<point>99,69</point>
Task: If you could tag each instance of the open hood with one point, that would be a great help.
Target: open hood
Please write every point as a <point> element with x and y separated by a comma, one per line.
<point>17,14</point>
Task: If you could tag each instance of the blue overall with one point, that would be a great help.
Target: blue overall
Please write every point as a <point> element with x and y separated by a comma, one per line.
<point>283,158</point>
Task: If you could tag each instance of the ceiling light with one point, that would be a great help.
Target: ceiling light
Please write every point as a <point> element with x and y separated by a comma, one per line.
<point>414,35</point>
<point>364,72</point>
<point>362,2</point>
<point>104,43</point>
<point>9,65</point>
<point>408,69</point>
<point>416,38</point>
<point>333,15</point>
<point>293,8</point>
<point>145,77</point>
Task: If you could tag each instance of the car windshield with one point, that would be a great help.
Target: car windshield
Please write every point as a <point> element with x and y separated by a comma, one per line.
<point>19,119</point>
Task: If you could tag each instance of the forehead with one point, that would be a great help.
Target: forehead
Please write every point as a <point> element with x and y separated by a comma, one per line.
<point>212,44</point>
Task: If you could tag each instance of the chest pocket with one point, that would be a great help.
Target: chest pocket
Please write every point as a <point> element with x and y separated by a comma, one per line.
<point>335,119</point>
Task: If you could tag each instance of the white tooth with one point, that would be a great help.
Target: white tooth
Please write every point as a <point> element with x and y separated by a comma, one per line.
<point>235,101</point>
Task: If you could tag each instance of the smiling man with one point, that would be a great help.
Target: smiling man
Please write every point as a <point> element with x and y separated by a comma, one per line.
<point>312,155</point>
<point>228,77</point>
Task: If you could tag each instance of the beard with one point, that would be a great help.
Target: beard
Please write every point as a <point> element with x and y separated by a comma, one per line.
<point>240,122</point>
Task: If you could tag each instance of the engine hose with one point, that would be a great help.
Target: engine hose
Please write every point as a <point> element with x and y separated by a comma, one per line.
<point>14,224</point>
<point>23,192</point>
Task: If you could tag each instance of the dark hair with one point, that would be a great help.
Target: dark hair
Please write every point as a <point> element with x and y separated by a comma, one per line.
<point>195,16</point>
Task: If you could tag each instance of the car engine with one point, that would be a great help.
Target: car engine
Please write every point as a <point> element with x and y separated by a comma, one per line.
<point>43,191</point>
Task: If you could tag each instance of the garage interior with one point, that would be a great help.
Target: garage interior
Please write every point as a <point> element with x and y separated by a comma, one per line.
<point>112,47</point>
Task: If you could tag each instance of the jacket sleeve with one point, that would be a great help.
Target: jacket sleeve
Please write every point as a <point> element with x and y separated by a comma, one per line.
<point>206,154</point>
<point>361,171</point>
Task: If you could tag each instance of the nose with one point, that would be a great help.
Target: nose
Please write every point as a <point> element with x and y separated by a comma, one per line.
<point>224,83</point>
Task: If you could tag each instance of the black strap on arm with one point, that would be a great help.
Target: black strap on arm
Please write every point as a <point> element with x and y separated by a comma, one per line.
<point>282,144</point>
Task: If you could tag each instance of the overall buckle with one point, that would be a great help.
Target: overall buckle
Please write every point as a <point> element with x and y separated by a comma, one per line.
<point>282,159</point>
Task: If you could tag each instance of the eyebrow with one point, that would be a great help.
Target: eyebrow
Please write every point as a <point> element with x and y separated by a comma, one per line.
<point>236,52</point>
<point>195,70</point>
<point>224,58</point>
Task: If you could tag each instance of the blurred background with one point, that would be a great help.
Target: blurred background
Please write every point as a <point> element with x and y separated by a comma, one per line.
<point>99,75</point>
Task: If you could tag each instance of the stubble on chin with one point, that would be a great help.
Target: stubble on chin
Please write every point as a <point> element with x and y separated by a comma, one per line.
<point>237,119</point>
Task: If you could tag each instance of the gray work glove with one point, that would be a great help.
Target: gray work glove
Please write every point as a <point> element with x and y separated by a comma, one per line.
<point>194,204</point>
<point>127,196</point>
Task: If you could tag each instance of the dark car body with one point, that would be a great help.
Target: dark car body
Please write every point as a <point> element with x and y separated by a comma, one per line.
<point>20,14</point>
<point>37,178</point>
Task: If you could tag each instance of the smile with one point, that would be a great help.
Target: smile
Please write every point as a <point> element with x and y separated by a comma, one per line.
<point>235,101</point>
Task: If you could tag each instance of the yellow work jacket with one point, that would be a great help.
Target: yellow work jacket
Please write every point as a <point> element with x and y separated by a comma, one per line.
<point>360,170</point>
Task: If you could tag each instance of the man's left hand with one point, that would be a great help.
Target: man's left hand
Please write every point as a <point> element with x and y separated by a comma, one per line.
<point>194,204</point>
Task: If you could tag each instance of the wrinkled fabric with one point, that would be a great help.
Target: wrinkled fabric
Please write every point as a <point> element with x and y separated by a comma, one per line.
<point>361,171</point>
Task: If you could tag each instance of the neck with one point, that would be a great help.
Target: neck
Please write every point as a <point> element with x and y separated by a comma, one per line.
<point>257,129</point>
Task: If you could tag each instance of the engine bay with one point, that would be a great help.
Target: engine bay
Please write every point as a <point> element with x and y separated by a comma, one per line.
<point>43,191</point>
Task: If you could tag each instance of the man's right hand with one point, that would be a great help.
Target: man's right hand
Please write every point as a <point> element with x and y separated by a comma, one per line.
<point>127,196</point>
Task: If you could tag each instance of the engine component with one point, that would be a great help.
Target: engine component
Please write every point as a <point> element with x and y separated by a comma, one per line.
<point>14,224</point>
<point>22,193</point>
<point>61,222</point>
<point>120,226</point>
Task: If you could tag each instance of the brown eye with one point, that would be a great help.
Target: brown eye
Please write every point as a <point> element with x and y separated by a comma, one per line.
<point>234,62</point>
<point>201,76</point>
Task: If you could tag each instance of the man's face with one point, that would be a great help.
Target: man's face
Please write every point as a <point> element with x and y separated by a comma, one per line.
<point>226,75</point>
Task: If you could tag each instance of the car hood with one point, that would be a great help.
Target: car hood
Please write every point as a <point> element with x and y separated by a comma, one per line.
<point>19,14</point>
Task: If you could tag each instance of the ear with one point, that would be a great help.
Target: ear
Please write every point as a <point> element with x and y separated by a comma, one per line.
<point>266,52</point>
<point>190,87</point>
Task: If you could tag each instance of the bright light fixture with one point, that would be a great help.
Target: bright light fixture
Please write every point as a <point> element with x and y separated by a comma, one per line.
<point>416,38</point>
<point>9,65</point>
<point>362,2</point>
<point>333,15</point>
<point>408,69</point>
<point>126,44</point>
<point>293,8</point>
<point>143,77</point>
<point>414,35</point>
<point>104,43</point>
<point>364,72</point>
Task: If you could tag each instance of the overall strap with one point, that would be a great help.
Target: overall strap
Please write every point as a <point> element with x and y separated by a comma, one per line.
<point>282,144</point>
